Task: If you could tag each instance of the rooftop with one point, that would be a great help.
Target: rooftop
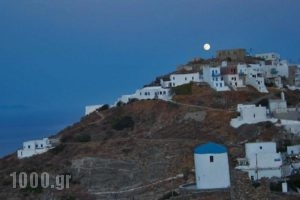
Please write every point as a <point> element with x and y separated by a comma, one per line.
<point>210,147</point>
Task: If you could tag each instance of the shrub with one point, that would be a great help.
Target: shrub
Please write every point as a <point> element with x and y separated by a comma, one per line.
<point>56,150</point>
<point>185,89</point>
<point>29,189</point>
<point>120,103</point>
<point>122,123</point>
<point>104,107</point>
<point>83,137</point>
<point>133,100</point>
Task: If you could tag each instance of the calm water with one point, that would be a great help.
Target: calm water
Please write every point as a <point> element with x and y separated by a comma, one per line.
<point>18,126</point>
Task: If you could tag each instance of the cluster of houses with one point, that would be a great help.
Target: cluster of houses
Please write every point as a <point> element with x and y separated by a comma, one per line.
<point>276,112</point>
<point>34,147</point>
<point>262,160</point>
<point>211,159</point>
<point>264,69</point>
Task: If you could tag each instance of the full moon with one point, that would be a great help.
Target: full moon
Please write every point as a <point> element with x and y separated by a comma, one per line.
<point>206,46</point>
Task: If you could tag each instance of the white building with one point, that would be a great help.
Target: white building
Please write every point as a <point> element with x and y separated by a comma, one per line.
<point>255,78</point>
<point>151,92</point>
<point>212,76</point>
<point>91,108</point>
<point>250,114</point>
<point>242,69</point>
<point>292,150</point>
<point>233,80</point>
<point>269,56</point>
<point>274,68</point>
<point>34,147</point>
<point>211,166</point>
<point>230,76</point>
<point>180,79</point>
<point>261,160</point>
<point>278,105</point>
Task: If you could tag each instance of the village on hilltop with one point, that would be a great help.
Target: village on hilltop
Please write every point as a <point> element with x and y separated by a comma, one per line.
<point>233,70</point>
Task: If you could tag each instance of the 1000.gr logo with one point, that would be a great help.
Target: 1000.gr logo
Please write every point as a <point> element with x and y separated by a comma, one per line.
<point>43,180</point>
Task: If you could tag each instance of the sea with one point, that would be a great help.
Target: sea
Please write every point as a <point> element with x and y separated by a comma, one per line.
<point>19,125</point>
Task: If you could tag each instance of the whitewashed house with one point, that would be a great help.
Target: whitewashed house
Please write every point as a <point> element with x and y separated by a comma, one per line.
<point>211,166</point>
<point>274,68</point>
<point>269,56</point>
<point>212,75</point>
<point>278,105</point>
<point>151,92</point>
<point>255,78</point>
<point>34,147</point>
<point>242,69</point>
<point>250,114</point>
<point>292,150</point>
<point>231,77</point>
<point>261,160</point>
<point>91,108</point>
<point>181,79</point>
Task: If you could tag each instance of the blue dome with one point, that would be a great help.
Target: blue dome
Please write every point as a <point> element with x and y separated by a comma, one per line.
<point>210,148</point>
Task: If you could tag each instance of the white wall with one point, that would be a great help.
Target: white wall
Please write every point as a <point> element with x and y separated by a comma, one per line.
<point>269,56</point>
<point>264,173</point>
<point>277,106</point>
<point>242,69</point>
<point>260,147</point>
<point>252,113</point>
<point>255,78</point>
<point>210,175</point>
<point>34,147</point>
<point>212,76</point>
<point>151,92</point>
<point>282,70</point>
<point>233,80</point>
<point>91,108</point>
<point>293,149</point>
<point>180,79</point>
<point>265,160</point>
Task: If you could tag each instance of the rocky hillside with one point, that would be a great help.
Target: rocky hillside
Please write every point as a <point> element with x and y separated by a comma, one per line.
<point>144,149</point>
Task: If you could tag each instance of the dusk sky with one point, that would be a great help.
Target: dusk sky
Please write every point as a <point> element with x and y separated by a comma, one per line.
<point>57,56</point>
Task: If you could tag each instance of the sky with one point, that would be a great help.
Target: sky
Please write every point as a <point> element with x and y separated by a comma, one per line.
<point>56,56</point>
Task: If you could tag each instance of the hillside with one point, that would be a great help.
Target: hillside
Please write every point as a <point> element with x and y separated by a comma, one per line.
<point>131,151</point>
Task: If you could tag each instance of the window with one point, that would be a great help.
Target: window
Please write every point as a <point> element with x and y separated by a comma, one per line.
<point>185,78</point>
<point>160,92</point>
<point>192,78</point>
<point>173,78</point>
<point>260,147</point>
<point>164,92</point>
<point>28,146</point>
<point>211,158</point>
<point>36,146</point>
<point>145,93</point>
<point>42,145</point>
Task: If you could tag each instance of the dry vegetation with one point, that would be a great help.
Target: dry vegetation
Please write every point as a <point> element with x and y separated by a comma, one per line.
<point>159,144</point>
